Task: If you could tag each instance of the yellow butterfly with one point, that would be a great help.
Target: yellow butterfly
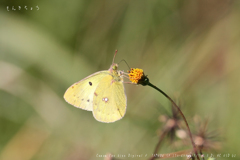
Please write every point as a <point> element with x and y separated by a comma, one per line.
<point>102,93</point>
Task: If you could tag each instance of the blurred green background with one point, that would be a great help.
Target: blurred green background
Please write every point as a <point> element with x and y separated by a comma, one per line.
<point>188,48</point>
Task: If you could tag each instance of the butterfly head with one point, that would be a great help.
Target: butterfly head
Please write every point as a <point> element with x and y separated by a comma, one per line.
<point>116,74</point>
<point>114,66</point>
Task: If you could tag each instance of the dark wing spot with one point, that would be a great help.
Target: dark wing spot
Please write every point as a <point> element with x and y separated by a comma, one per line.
<point>90,83</point>
<point>95,94</point>
<point>88,100</point>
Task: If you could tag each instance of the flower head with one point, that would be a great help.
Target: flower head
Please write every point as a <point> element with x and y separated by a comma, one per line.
<point>204,139</point>
<point>137,76</point>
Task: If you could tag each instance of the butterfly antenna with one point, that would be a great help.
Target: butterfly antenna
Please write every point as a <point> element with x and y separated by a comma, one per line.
<point>114,56</point>
<point>125,62</point>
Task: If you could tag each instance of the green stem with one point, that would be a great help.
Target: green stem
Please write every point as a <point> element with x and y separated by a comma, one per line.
<point>190,134</point>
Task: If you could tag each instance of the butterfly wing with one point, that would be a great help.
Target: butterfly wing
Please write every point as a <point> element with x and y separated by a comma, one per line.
<point>80,94</point>
<point>109,101</point>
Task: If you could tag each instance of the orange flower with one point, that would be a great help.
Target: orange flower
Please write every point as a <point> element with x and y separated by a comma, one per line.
<point>135,75</point>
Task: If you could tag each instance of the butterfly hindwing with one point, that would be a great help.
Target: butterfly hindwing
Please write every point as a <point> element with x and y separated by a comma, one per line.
<point>109,101</point>
<point>80,94</point>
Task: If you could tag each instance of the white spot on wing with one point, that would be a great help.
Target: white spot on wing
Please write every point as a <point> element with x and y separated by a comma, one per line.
<point>105,99</point>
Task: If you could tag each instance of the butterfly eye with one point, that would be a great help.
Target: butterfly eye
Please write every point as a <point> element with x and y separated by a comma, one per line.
<point>114,67</point>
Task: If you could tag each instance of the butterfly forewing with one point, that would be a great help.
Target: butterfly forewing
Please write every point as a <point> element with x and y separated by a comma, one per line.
<point>80,94</point>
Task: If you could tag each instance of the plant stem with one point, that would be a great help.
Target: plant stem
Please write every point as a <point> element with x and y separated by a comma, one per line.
<point>189,132</point>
